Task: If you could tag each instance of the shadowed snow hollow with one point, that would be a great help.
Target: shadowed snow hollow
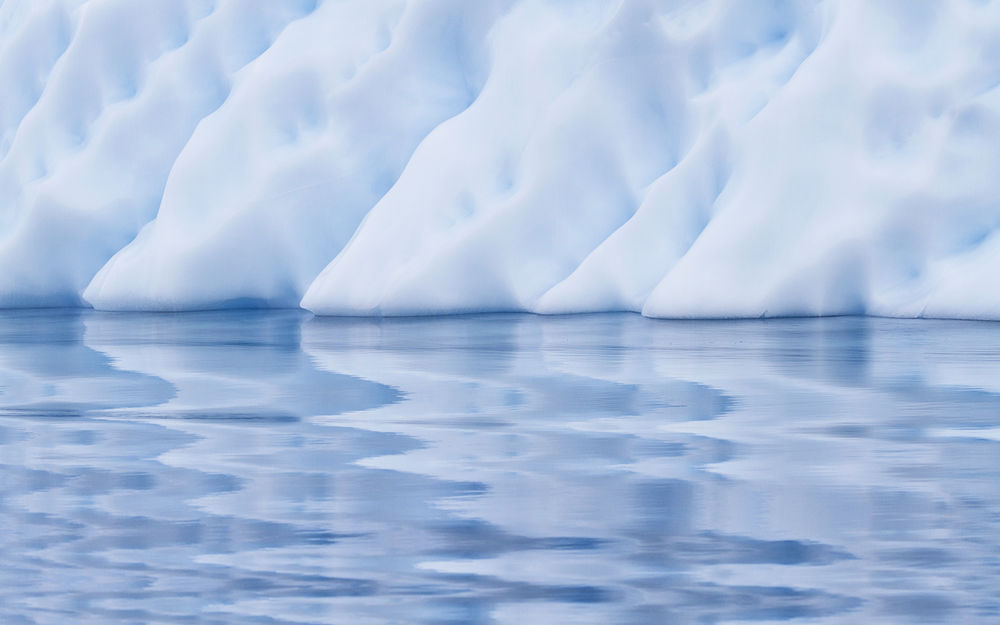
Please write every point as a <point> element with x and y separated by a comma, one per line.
<point>679,158</point>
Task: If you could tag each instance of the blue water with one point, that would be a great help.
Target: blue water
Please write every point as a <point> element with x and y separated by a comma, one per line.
<point>274,468</point>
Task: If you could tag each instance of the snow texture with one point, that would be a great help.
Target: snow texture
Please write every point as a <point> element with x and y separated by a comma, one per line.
<point>703,158</point>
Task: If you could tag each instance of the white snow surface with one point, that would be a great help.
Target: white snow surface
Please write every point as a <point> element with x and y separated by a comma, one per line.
<point>680,158</point>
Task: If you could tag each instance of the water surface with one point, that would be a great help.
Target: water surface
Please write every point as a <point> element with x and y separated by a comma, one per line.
<point>275,468</point>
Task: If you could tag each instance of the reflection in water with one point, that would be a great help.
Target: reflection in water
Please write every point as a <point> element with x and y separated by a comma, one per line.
<point>275,468</point>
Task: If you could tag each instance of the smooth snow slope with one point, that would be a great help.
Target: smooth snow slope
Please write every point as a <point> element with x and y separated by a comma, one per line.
<point>680,158</point>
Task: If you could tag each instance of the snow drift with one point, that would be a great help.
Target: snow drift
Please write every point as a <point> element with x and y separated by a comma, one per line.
<point>727,158</point>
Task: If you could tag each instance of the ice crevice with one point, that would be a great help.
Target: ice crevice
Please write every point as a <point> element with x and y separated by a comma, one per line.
<point>37,42</point>
<point>87,166</point>
<point>724,158</point>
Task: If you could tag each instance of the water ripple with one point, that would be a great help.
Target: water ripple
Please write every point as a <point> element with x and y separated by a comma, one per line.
<point>274,468</point>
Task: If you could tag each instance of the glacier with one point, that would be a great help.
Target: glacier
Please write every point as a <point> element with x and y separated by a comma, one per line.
<point>706,158</point>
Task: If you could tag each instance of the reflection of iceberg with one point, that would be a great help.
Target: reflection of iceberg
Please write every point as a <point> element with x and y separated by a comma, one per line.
<point>710,158</point>
<point>229,365</point>
<point>652,467</point>
<point>551,418</point>
<point>236,375</point>
<point>495,469</point>
<point>45,369</point>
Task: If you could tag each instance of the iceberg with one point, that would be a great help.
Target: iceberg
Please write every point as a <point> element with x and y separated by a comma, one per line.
<point>678,158</point>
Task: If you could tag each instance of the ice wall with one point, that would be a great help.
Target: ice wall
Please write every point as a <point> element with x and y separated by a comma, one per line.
<point>679,158</point>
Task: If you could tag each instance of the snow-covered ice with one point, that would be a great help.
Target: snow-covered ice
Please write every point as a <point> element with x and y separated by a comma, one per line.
<point>702,158</point>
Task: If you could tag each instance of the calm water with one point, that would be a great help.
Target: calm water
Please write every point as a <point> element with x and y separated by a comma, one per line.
<point>274,468</point>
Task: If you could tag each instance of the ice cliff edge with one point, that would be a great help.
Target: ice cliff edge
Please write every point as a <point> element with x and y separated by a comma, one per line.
<point>727,158</point>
